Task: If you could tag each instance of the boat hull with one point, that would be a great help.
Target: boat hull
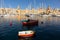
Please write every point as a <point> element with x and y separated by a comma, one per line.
<point>30,23</point>
<point>25,34</point>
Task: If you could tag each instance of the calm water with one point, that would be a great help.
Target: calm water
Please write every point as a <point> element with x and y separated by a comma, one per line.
<point>49,30</point>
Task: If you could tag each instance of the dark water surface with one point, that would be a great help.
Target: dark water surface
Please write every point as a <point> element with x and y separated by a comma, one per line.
<point>49,30</point>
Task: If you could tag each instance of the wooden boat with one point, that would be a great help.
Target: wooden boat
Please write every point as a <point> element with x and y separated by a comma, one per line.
<point>30,23</point>
<point>26,33</point>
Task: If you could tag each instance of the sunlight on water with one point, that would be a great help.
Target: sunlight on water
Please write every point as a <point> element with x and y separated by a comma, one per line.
<point>47,25</point>
<point>46,20</point>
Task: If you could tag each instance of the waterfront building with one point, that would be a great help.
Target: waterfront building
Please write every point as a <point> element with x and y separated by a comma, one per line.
<point>27,11</point>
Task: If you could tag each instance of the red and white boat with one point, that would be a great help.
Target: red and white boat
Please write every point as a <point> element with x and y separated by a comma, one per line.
<point>26,33</point>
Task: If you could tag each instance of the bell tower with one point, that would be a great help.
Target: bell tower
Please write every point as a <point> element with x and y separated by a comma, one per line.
<point>18,7</point>
<point>48,10</point>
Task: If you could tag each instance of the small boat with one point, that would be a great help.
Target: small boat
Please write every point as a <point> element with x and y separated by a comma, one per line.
<point>30,23</point>
<point>1,15</point>
<point>27,15</point>
<point>26,33</point>
<point>53,15</point>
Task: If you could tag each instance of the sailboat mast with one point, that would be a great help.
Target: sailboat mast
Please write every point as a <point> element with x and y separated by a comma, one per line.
<point>2,3</point>
<point>34,5</point>
<point>42,5</point>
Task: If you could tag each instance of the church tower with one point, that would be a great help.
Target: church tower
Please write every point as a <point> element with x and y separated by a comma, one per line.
<point>48,10</point>
<point>18,9</point>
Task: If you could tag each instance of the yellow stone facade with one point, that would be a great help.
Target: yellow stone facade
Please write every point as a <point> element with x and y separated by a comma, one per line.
<point>26,11</point>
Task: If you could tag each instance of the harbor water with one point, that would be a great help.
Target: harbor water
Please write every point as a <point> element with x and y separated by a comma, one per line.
<point>48,27</point>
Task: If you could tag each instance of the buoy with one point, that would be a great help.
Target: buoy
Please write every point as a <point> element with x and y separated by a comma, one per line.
<point>10,23</point>
<point>41,22</point>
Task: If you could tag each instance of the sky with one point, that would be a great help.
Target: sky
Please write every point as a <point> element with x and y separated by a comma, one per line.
<point>30,3</point>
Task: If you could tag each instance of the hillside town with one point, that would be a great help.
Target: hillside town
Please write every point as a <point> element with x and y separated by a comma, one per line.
<point>19,11</point>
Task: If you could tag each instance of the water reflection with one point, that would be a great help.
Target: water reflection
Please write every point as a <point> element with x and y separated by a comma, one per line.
<point>46,20</point>
<point>46,30</point>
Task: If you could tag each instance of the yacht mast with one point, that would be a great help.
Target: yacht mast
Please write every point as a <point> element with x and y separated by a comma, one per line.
<point>42,5</point>
<point>34,5</point>
<point>2,3</point>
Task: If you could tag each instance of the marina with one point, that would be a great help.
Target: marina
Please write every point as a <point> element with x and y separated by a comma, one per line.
<point>29,20</point>
<point>47,28</point>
